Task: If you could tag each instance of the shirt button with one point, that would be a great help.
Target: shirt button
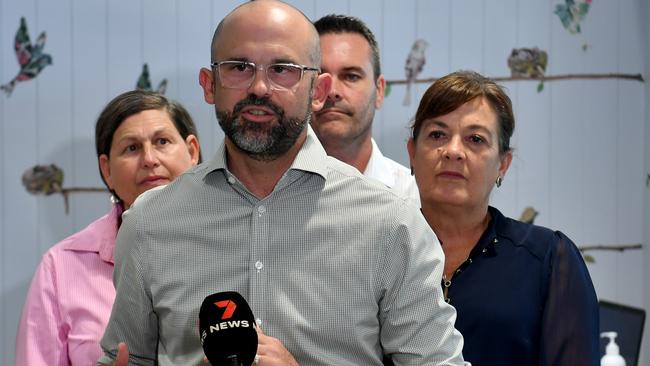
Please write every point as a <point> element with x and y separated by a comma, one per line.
<point>484,250</point>
<point>231,179</point>
<point>259,265</point>
<point>261,210</point>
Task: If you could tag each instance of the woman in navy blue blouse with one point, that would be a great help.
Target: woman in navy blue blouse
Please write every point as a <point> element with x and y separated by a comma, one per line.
<point>522,292</point>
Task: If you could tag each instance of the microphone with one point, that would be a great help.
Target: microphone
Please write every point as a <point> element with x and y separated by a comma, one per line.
<point>226,328</point>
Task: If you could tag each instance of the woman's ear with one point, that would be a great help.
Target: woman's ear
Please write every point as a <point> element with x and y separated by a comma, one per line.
<point>506,159</point>
<point>193,147</point>
<point>410,147</point>
<point>105,168</point>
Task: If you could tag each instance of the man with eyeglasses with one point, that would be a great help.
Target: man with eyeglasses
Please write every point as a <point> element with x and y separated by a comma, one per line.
<point>337,269</point>
<point>350,54</point>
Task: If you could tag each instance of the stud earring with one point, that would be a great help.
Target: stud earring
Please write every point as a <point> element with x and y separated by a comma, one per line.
<point>114,199</point>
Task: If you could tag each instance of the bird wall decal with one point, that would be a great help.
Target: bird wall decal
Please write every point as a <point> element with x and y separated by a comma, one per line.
<point>528,63</point>
<point>30,57</point>
<point>144,81</point>
<point>43,179</point>
<point>414,65</point>
<point>48,179</point>
<point>571,13</point>
<point>528,215</point>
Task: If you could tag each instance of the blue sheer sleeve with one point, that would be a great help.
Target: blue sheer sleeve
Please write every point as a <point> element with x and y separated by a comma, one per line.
<point>570,323</point>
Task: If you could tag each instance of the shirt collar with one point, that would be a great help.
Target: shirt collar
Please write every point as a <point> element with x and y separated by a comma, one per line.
<point>98,237</point>
<point>377,168</point>
<point>311,157</point>
<point>489,241</point>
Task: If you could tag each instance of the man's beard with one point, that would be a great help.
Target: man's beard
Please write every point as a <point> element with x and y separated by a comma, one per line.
<point>260,141</point>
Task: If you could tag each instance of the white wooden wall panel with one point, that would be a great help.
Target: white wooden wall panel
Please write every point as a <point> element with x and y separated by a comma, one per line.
<point>399,33</point>
<point>500,35</point>
<point>631,39</point>
<point>630,219</point>
<point>4,313</point>
<point>125,45</point>
<point>467,30</point>
<point>54,110</point>
<point>567,160</point>
<point>601,30</point>
<point>20,150</point>
<point>196,24</point>
<point>643,10</point>
<point>580,145</point>
<point>318,9</point>
<point>434,25</point>
<point>531,162</point>
<point>599,158</point>
<point>91,59</point>
<point>160,42</point>
<point>601,149</point>
<point>532,153</point>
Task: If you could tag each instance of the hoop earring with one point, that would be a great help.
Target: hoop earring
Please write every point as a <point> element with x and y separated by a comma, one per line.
<point>499,181</point>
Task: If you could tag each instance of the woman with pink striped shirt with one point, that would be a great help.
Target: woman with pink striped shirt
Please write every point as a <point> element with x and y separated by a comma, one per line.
<point>143,140</point>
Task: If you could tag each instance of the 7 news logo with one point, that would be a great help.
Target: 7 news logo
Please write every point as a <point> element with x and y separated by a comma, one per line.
<point>229,307</point>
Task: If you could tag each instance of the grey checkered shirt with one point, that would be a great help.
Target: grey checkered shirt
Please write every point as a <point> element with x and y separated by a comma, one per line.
<point>338,268</point>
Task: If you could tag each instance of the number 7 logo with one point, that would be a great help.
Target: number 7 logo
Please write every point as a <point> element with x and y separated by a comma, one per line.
<point>230,308</point>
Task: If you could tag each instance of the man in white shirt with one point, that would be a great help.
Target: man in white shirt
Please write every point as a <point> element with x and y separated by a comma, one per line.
<point>344,125</point>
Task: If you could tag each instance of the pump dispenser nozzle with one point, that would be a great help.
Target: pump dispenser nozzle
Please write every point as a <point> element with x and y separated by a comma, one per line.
<point>612,356</point>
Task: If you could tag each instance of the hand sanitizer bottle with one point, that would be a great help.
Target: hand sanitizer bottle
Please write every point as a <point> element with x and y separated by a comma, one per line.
<point>612,356</point>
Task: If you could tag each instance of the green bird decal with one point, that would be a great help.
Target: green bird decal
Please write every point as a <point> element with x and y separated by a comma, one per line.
<point>571,13</point>
<point>30,56</point>
<point>144,81</point>
<point>43,179</point>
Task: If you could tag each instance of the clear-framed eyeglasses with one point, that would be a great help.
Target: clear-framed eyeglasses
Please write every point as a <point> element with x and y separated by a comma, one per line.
<point>240,74</point>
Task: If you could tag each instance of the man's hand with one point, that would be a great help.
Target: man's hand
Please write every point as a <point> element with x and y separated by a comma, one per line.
<point>122,355</point>
<point>271,352</point>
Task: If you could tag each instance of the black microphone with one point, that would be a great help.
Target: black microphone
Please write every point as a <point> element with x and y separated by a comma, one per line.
<point>226,328</point>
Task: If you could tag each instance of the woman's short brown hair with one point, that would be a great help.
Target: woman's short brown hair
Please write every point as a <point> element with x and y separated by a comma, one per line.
<point>133,102</point>
<point>450,92</point>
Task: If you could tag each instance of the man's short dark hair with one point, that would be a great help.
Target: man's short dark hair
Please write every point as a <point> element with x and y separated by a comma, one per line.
<point>337,24</point>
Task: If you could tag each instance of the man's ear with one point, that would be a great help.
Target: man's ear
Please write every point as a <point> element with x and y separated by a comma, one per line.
<point>322,86</point>
<point>381,89</point>
<point>105,168</point>
<point>206,80</point>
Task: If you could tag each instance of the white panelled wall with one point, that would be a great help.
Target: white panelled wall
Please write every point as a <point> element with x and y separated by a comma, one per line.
<point>582,151</point>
